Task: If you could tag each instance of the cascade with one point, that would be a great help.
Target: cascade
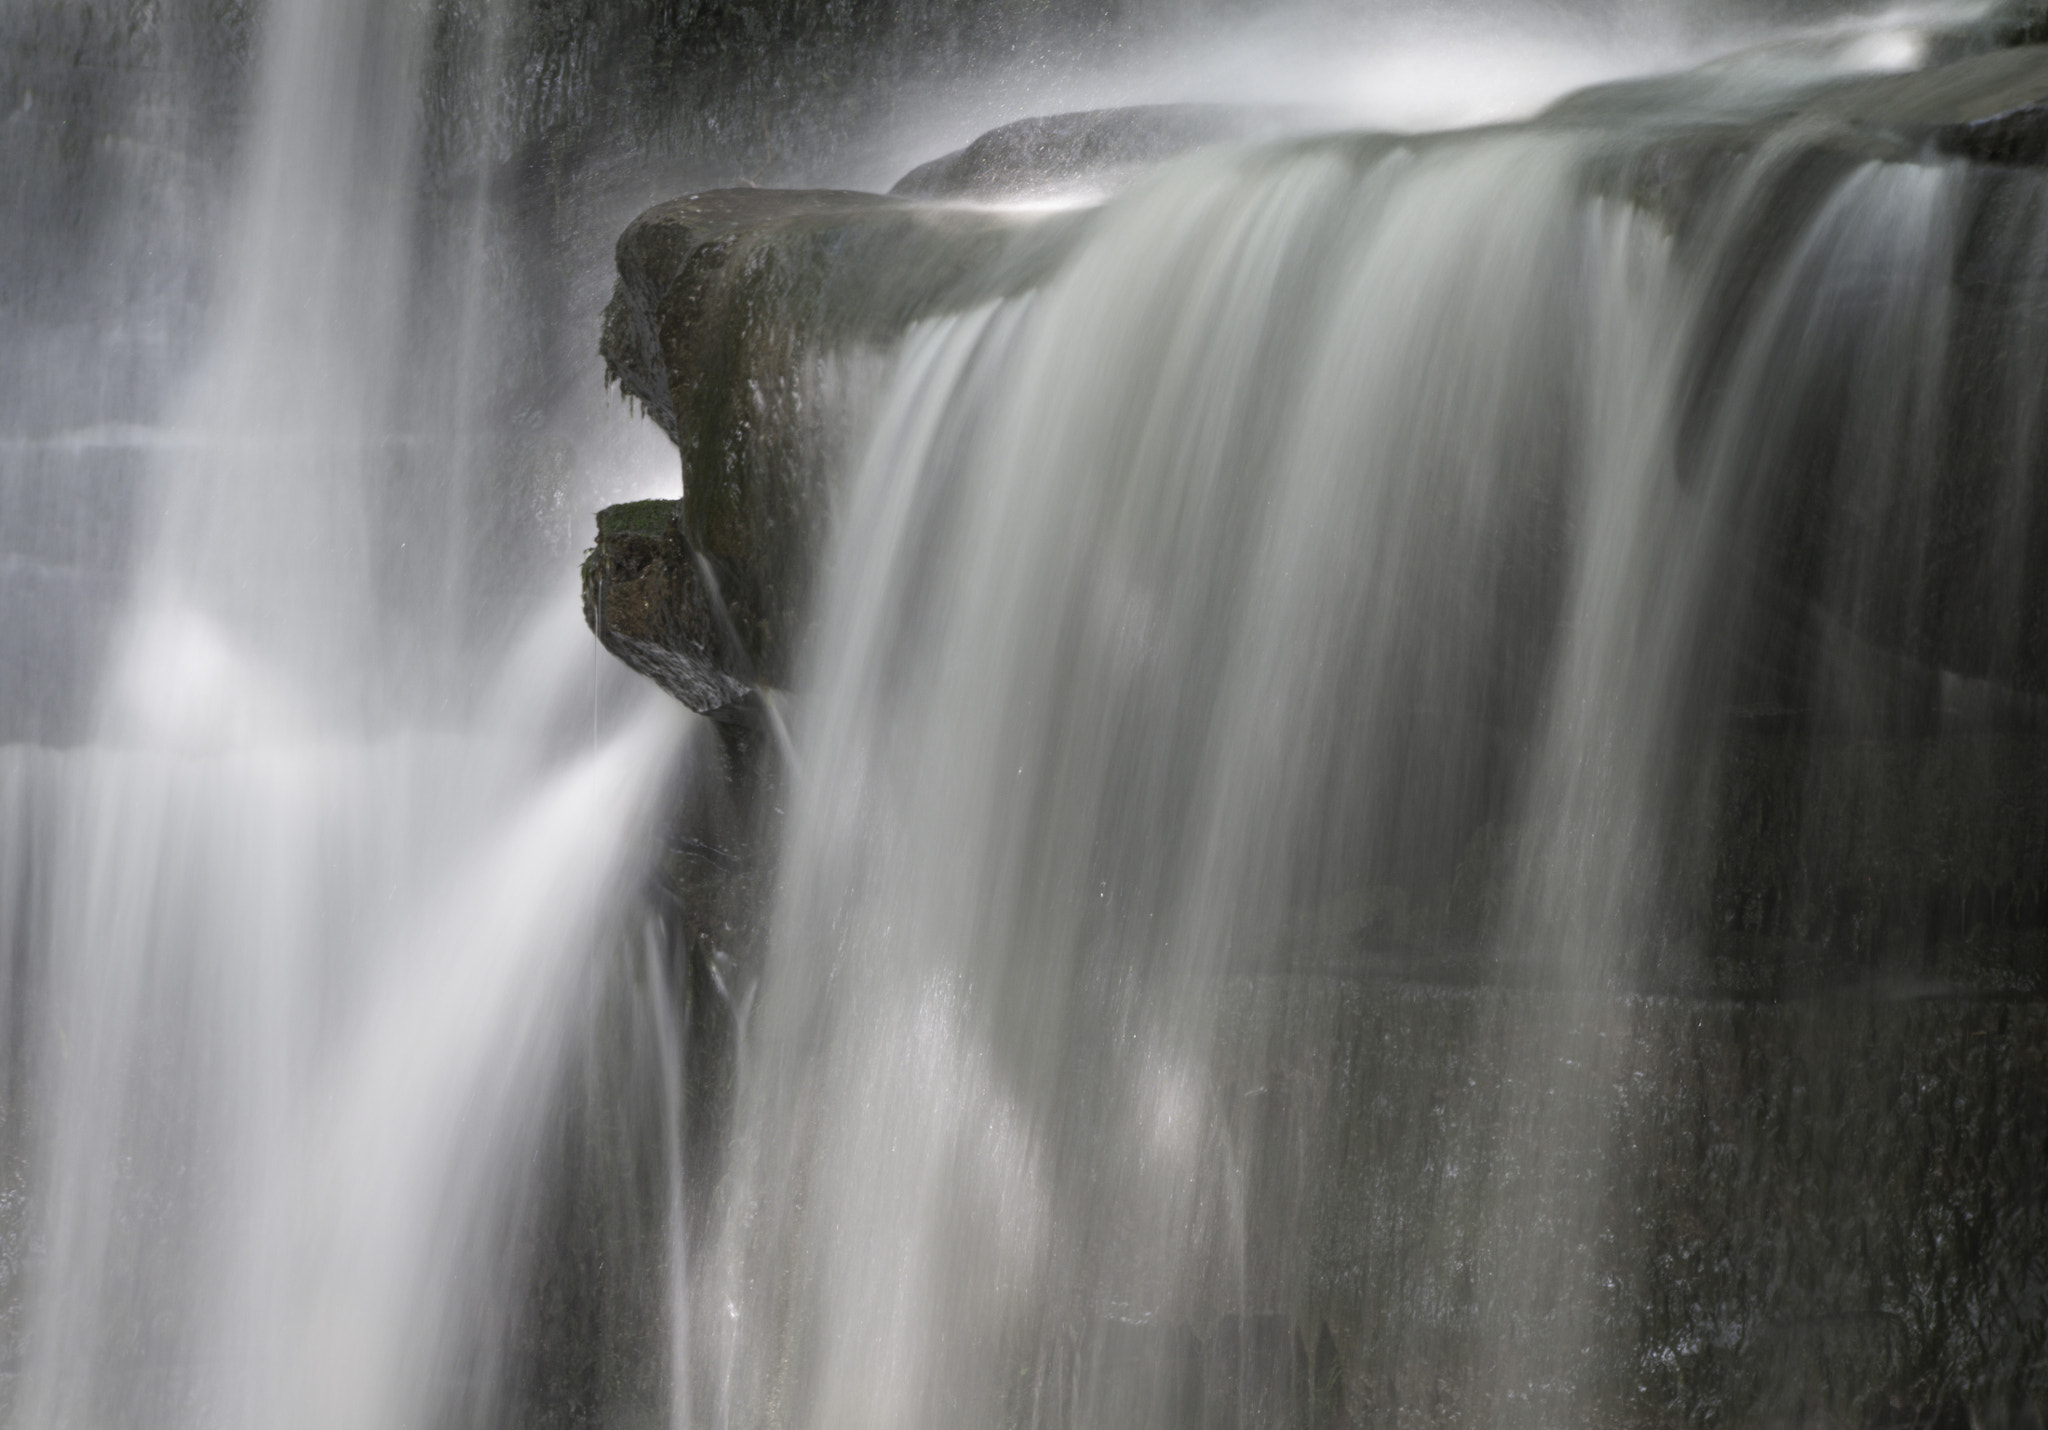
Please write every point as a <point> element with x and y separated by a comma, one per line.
<point>1389,739</point>
<point>329,879</point>
<point>1366,761</point>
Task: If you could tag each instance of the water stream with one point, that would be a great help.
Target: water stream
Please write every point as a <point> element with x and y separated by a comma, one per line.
<point>315,906</point>
<point>1412,797</point>
<point>1327,603</point>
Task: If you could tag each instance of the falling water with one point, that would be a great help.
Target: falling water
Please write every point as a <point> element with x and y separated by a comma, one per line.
<point>1265,735</point>
<point>1349,797</point>
<point>312,920</point>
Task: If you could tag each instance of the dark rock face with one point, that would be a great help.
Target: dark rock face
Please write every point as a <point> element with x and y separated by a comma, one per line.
<point>671,260</point>
<point>645,600</point>
<point>1796,1212</point>
<point>1947,620</point>
<point>1822,1137</point>
<point>1094,148</point>
<point>738,320</point>
<point>1808,1212</point>
<point>2018,136</point>
<point>730,306</point>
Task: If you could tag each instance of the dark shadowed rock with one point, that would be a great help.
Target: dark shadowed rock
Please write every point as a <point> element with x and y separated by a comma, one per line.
<point>738,322</point>
<point>1966,630</point>
<point>643,599</point>
<point>737,314</point>
<point>670,260</point>
<point>2018,137</point>
<point>1806,1166</point>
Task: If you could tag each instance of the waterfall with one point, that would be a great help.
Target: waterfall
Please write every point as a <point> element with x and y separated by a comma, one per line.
<point>1265,737</point>
<point>310,925</point>
<point>1412,780</point>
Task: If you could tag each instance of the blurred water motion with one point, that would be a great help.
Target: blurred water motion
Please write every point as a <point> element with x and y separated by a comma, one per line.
<point>1277,922</point>
<point>1421,785</point>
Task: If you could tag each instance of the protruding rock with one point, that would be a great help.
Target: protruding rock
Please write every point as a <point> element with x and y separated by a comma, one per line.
<point>1097,149</point>
<point>644,600</point>
<point>736,316</point>
<point>740,317</point>
<point>671,260</point>
<point>737,311</point>
<point>2018,137</point>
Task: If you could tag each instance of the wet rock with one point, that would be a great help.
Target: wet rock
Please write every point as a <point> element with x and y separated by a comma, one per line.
<point>740,318</point>
<point>1968,92</point>
<point>1877,796</point>
<point>740,321</point>
<point>1815,1212</point>
<point>644,599</point>
<point>1889,864</point>
<point>1092,149</point>
<point>670,261</point>
<point>2018,136</point>
<point>1945,616</point>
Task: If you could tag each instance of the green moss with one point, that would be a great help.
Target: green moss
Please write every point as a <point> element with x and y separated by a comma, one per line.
<point>636,518</point>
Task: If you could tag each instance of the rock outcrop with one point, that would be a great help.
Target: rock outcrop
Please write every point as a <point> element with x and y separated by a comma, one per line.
<point>738,321</point>
<point>1872,811</point>
<point>1090,151</point>
<point>646,600</point>
<point>1850,1017</point>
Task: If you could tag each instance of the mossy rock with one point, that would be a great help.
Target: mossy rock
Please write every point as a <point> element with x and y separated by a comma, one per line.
<point>732,309</point>
<point>643,598</point>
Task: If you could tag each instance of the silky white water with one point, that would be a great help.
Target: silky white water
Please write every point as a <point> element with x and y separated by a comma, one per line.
<point>307,929</point>
<point>1250,941</point>
<point>1341,568</point>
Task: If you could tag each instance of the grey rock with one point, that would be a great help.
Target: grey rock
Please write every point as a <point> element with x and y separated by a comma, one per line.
<point>729,310</point>
<point>2019,136</point>
<point>1093,148</point>
<point>643,599</point>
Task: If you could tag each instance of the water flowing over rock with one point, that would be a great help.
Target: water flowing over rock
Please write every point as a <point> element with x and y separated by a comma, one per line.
<point>1091,152</point>
<point>1353,778</point>
<point>728,307</point>
<point>1426,775</point>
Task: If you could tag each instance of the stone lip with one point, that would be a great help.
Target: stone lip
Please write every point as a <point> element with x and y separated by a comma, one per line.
<point>643,600</point>
<point>732,305</point>
<point>2018,137</point>
<point>732,309</point>
<point>1090,149</point>
<point>669,259</point>
<point>1892,115</point>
